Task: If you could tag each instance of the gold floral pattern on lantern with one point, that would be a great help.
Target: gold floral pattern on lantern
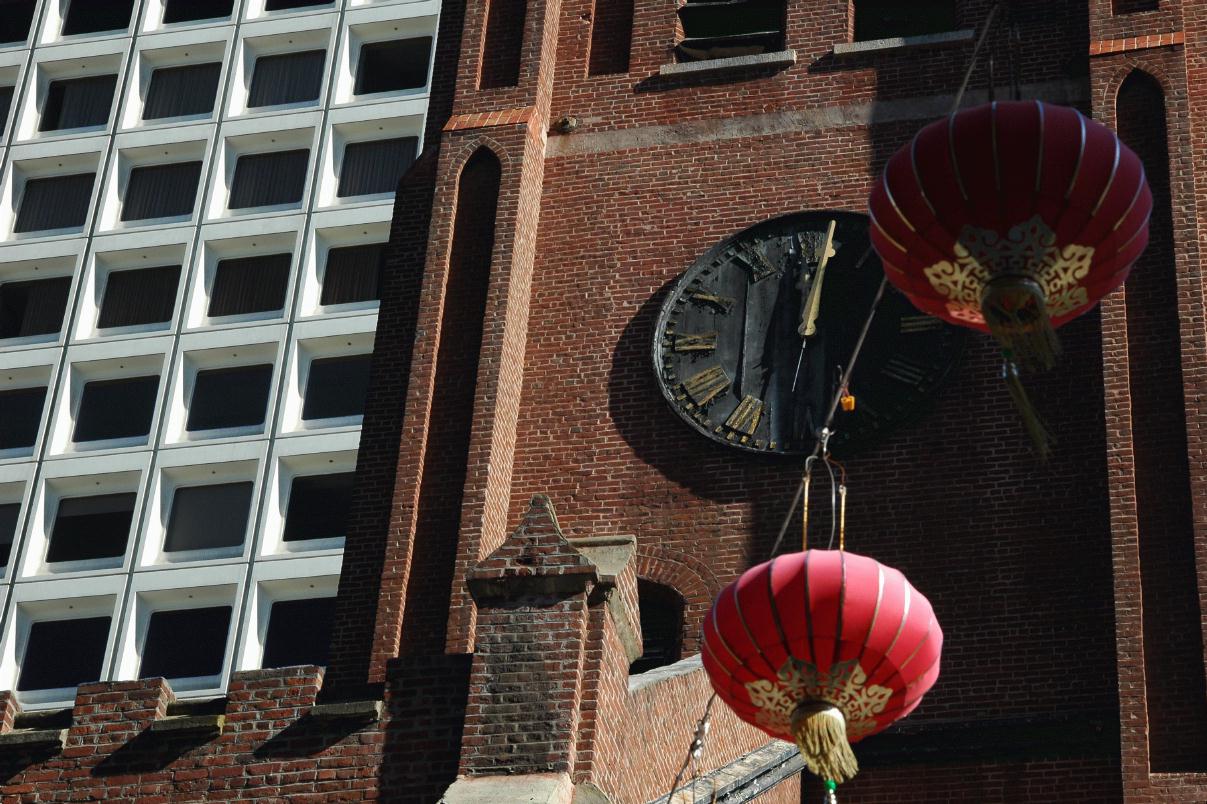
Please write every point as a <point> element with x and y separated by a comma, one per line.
<point>1028,249</point>
<point>844,685</point>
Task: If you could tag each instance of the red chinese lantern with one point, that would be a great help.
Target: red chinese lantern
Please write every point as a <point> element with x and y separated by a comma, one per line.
<point>1011,218</point>
<point>823,648</point>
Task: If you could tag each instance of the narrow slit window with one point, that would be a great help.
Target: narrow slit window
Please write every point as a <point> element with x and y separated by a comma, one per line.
<point>120,408</point>
<point>88,528</point>
<point>63,653</point>
<point>246,285</point>
<point>885,19</point>
<point>718,29</point>
<point>281,5</point>
<point>661,610</point>
<point>502,44</point>
<point>265,180</point>
<point>16,17</point>
<point>318,507</point>
<point>229,397</point>
<point>78,103</point>
<point>375,167</point>
<point>191,10</point>
<point>6,102</point>
<point>208,517</point>
<point>9,513</point>
<point>139,297</point>
<point>393,66</point>
<point>182,91</point>
<point>94,16</point>
<point>20,417</point>
<point>352,274</point>
<point>611,37</point>
<point>33,307</point>
<point>287,78</point>
<point>55,202</point>
<point>299,632</point>
<point>161,191</point>
<point>336,387</point>
<point>185,643</point>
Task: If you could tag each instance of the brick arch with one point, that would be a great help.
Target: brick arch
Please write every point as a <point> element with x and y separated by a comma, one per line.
<point>471,146</point>
<point>1106,105</point>
<point>688,576</point>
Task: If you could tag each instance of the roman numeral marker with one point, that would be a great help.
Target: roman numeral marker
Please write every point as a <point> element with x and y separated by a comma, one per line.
<point>707,385</point>
<point>919,323</point>
<point>702,342</point>
<point>756,263</point>
<point>707,299</point>
<point>904,369</point>
<point>745,418</point>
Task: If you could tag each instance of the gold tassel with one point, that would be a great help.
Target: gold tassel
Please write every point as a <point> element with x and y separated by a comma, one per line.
<point>1041,440</point>
<point>821,733</point>
<point>1017,315</point>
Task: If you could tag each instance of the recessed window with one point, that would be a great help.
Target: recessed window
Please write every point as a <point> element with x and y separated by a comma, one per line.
<point>161,191</point>
<point>661,610</point>
<point>8,530</point>
<point>121,408</point>
<point>1133,6</point>
<point>229,397</point>
<point>6,102</point>
<point>299,632</point>
<point>279,5</point>
<point>20,415</point>
<point>264,180</point>
<point>55,202</point>
<point>93,16</point>
<point>391,66</point>
<point>714,30</point>
<point>78,102</point>
<point>182,91</point>
<point>87,528</point>
<point>883,19</point>
<point>287,78</point>
<point>246,285</point>
<point>336,387</point>
<point>63,653</point>
<point>190,10</point>
<point>375,167</point>
<point>352,274</point>
<point>16,16</point>
<point>208,517</point>
<point>318,507</point>
<point>138,297</point>
<point>33,307</point>
<point>185,643</point>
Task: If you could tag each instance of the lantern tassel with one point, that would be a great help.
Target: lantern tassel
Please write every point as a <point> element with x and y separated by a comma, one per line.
<point>1017,315</point>
<point>821,733</point>
<point>1041,440</point>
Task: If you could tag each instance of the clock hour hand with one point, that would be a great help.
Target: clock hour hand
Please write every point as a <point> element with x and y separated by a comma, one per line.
<point>812,305</point>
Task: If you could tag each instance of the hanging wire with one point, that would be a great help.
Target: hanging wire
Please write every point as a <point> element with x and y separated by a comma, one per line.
<point>694,751</point>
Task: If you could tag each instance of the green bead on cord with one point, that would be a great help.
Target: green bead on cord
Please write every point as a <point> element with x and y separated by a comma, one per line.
<point>831,786</point>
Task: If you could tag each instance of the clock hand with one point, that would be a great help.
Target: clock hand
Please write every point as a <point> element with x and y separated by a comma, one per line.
<point>812,307</point>
<point>741,368</point>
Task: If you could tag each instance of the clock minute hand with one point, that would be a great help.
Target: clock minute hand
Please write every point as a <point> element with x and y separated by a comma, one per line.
<point>812,305</point>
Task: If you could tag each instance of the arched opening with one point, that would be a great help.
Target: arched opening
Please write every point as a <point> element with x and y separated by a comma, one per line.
<point>502,44</point>
<point>1176,689</point>
<point>661,626</point>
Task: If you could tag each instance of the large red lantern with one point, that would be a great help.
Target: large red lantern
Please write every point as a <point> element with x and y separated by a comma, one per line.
<point>1012,218</point>
<point>824,648</point>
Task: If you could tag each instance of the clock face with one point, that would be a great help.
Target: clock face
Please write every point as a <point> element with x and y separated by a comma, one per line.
<point>752,342</point>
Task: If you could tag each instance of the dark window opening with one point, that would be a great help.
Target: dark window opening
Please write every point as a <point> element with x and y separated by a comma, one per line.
<point>1133,6</point>
<point>318,507</point>
<point>185,643</point>
<point>57,202</point>
<point>78,103</point>
<point>63,653</point>
<point>299,632</point>
<point>33,307</point>
<point>352,274</point>
<point>287,78</point>
<point>502,44</point>
<point>611,37</point>
<point>208,517</point>
<point>189,10</point>
<point>661,626</point>
<point>161,191</point>
<point>9,513</point>
<point>726,28</point>
<point>6,102</point>
<point>137,297</point>
<point>93,16</point>
<point>120,408</point>
<point>16,17</point>
<point>281,5</point>
<point>375,167</point>
<point>264,180</point>
<point>336,387</point>
<point>88,528</point>
<point>246,285</point>
<point>182,91</point>
<point>392,66</point>
<point>20,416</point>
<point>229,397</point>
<point>883,19</point>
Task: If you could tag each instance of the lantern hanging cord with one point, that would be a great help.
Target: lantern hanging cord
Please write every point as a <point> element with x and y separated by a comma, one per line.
<point>986,26</point>
<point>695,749</point>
